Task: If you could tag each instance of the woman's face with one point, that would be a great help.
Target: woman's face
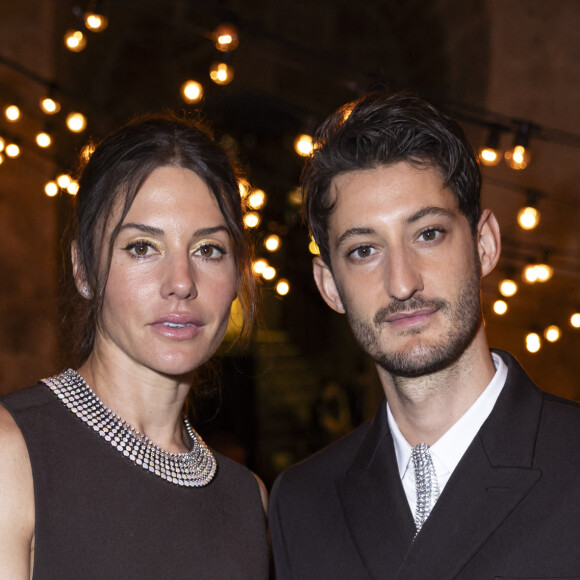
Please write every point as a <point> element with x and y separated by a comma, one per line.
<point>172,277</point>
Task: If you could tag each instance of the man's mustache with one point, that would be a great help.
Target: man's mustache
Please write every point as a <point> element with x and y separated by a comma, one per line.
<point>411,305</point>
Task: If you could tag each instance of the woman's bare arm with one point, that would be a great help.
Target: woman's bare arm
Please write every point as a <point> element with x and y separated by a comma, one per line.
<point>16,502</point>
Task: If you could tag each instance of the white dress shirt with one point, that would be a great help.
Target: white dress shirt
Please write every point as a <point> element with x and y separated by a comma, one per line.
<point>450,447</point>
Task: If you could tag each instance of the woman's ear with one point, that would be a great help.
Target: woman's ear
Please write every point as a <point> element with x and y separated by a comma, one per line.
<point>488,241</point>
<point>326,284</point>
<point>79,273</point>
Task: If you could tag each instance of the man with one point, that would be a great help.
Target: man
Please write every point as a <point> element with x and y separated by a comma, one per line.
<point>467,471</point>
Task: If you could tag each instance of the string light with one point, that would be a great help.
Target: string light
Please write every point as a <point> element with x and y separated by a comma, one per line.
<point>51,189</point>
<point>252,219</point>
<point>192,91</point>
<point>259,266</point>
<point>303,145</point>
<point>75,40</point>
<point>221,73</point>
<point>76,122</point>
<point>269,273</point>
<point>272,243</point>
<point>552,333</point>
<point>257,199</point>
<point>12,113</point>
<point>283,287</point>
<point>63,180</point>
<point>519,157</point>
<point>575,320</point>
<point>528,218</point>
<point>533,342</point>
<point>489,154</point>
<point>43,140</point>
<point>12,150</point>
<point>244,187</point>
<point>500,307</point>
<point>1,158</point>
<point>49,105</point>
<point>95,21</point>
<point>73,187</point>
<point>537,273</point>
<point>2,143</point>
<point>508,287</point>
<point>226,37</point>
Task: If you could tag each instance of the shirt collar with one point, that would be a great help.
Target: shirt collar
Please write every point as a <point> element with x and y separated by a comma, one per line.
<point>451,446</point>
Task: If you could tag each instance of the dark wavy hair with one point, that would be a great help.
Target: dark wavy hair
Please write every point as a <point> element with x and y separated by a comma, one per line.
<point>112,178</point>
<point>383,129</point>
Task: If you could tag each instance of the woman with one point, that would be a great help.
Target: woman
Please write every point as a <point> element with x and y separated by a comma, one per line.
<point>100,474</point>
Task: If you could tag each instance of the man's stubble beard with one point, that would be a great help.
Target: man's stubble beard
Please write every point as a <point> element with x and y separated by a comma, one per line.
<point>464,318</point>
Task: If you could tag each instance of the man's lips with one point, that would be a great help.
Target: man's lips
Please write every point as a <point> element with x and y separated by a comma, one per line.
<point>410,318</point>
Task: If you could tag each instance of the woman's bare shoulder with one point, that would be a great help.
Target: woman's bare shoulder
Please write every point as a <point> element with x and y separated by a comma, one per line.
<point>16,501</point>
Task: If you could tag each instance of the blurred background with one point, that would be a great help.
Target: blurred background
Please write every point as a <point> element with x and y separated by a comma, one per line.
<point>264,73</point>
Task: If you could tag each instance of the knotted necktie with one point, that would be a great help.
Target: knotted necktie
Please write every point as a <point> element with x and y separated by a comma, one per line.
<point>425,483</point>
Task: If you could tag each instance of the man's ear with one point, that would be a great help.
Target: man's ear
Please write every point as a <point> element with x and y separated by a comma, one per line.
<point>326,284</point>
<point>78,272</point>
<point>488,241</point>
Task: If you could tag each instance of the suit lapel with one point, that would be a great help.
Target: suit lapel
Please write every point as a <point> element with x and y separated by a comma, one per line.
<point>494,476</point>
<point>374,503</point>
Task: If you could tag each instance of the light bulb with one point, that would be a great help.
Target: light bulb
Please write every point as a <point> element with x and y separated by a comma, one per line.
<point>272,243</point>
<point>43,140</point>
<point>303,145</point>
<point>73,187</point>
<point>75,40</point>
<point>528,218</point>
<point>259,266</point>
<point>575,320</point>
<point>257,199</point>
<point>2,143</point>
<point>226,37</point>
<point>244,187</point>
<point>96,22</point>
<point>283,287</point>
<point>221,73</point>
<point>544,272</point>
<point>51,189</point>
<point>552,333</point>
<point>251,219</point>
<point>508,287</point>
<point>500,307</point>
<point>76,122</point>
<point>533,342</point>
<point>49,106</point>
<point>63,180</point>
<point>192,91</point>
<point>12,113</point>
<point>530,273</point>
<point>269,273</point>
<point>12,150</point>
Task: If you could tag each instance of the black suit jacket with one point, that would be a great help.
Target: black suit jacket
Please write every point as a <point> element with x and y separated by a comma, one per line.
<point>511,508</point>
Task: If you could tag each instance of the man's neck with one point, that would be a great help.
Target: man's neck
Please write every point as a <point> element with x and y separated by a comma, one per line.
<point>427,407</point>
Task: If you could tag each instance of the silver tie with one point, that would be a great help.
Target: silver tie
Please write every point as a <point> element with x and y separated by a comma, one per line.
<point>426,483</point>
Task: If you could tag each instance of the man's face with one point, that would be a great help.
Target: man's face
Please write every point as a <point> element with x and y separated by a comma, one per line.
<point>405,268</point>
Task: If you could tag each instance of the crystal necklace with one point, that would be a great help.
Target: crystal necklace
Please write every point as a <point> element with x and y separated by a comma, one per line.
<point>193,469</point>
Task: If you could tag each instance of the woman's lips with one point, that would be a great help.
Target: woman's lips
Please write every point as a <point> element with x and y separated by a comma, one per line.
<point>177,326</point>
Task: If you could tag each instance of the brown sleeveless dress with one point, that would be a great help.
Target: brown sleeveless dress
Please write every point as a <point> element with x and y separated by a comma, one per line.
<point>100,516</point>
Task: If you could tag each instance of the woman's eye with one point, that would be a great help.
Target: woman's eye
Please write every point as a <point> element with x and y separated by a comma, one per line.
<point>210,252</point>
<point>139,248</point>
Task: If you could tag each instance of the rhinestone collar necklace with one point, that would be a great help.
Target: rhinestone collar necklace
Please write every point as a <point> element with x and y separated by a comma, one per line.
<point>193,469</point>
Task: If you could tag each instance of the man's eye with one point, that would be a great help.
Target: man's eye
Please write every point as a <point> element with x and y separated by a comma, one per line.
<point>430,235</point>
<point>362,252</point>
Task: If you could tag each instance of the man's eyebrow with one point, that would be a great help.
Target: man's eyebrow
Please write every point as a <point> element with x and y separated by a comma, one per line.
<point>153,231</point>
<point>352,232</point>
<point>429,211</point>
